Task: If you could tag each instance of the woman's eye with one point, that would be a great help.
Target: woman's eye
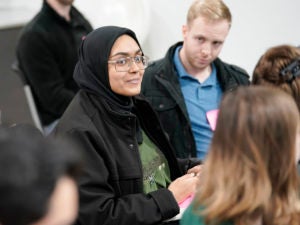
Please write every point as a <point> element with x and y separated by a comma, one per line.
<point>121,61</point>
<point>138,59</point>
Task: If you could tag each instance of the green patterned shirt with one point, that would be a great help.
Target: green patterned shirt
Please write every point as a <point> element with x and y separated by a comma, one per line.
<point>156,172</point>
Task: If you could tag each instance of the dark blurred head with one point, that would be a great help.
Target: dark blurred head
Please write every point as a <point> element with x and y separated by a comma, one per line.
<point>32,170</point>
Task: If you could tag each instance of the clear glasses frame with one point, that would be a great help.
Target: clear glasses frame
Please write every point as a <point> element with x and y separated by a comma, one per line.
<point>124,64</point>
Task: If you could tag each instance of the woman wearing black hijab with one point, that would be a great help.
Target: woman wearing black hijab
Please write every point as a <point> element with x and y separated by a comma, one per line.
<point>130,164</point>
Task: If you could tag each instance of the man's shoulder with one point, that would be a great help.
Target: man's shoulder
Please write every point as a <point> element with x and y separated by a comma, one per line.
<point>156,64</point>
<point>40,24</point>
<point>230,72</point>
<point>162,67</point>
<point>156,67</point>
<point>43,26</point>
<point>232,68</point>
<point>238,69</point>
<point>33,32</point>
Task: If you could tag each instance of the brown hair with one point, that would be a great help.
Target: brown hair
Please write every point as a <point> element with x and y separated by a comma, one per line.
<point>250,172</point>
<point>269,67</point>
<point>210,9</point>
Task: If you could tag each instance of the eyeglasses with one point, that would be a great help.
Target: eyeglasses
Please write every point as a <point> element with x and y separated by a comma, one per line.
<point>124,64</point>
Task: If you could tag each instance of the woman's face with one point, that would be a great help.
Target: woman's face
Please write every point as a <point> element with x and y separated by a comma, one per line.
<point>126,83</point>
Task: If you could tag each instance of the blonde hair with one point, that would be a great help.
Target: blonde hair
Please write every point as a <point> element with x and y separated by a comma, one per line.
<point>210,9</point>
<point>250,172</point>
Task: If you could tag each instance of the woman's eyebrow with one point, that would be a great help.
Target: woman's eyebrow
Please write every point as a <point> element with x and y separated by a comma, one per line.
<point>125,53</point>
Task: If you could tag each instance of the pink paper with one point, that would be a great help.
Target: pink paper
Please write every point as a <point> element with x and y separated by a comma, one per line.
<point>212,116</point>
<point>185,203</point>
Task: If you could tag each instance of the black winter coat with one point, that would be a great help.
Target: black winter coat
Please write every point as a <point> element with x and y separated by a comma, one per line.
<point>111,188</point>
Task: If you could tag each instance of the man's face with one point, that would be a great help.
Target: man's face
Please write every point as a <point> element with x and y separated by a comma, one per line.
<point>63,204</point>
<point>203,41</point>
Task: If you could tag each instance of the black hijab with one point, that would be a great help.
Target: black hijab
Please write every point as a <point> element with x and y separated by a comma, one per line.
<point>91,71</point>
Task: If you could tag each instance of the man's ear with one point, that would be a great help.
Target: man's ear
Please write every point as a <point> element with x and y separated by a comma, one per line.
<point>184,31</point>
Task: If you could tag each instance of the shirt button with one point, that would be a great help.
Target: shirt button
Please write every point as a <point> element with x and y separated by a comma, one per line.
<point>161,106</point>
<point>131,146</point>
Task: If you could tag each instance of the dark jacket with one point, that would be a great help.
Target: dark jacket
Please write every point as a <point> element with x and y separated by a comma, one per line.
<point>47,54</point>
<point>111,188</point>
<point>161,88</point>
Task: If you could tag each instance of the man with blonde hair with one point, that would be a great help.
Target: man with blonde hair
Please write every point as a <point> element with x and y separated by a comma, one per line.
<point>186,86</point>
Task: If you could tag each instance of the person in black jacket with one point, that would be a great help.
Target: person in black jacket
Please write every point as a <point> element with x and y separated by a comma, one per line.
<point>186,86</point>
<point>132,175</point>
<point>47,54</point>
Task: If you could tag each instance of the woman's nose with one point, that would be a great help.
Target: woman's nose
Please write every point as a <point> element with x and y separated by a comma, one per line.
<point>133,66</point>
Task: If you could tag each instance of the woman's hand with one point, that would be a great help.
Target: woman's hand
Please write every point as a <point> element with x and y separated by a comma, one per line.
<point>184,186</point>
<point>196,170</point>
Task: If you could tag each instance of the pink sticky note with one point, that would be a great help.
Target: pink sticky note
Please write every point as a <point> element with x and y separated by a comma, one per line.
<point>212,116</point>
<point>185,203</point>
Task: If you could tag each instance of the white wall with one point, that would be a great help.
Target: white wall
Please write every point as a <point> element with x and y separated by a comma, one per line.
<point>161,21</point>
<point>257,24</point>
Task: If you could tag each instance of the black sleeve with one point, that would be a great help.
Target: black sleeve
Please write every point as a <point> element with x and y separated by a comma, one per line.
<point>188,163</point>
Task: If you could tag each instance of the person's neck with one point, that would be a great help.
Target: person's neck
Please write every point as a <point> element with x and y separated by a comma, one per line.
<point>62,10</point>
<point>200,74</point>
<point>203,74</point>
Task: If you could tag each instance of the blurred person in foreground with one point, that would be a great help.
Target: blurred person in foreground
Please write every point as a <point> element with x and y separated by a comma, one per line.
<point>251,179</point>
<point>38,179</point>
